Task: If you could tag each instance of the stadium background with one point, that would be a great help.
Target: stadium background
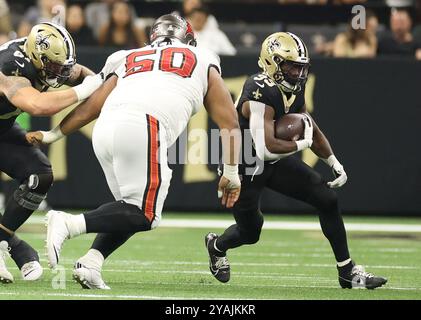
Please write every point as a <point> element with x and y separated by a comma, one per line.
<point>368,107</point>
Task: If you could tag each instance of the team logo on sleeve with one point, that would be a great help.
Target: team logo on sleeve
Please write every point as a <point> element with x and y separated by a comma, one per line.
<point>256,94</point>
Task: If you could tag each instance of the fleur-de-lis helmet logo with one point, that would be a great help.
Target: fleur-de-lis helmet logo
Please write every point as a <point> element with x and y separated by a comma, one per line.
<point>41,42</point>
<point>273,44</point>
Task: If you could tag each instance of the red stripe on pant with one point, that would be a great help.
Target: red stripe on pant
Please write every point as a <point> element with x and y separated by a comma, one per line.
<point>154,180</point>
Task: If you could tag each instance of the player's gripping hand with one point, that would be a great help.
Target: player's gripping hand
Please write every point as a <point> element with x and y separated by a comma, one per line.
<point>44,137</point>
<point>308,135</point>
<point>338,172</point>
<point>34,138</point>
<point>229,186</point>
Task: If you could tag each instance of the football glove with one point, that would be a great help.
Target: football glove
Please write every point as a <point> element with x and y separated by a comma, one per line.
<point>338,172</point>
<point>308,135</point>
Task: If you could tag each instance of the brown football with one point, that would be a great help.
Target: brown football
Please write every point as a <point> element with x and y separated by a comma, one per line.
<point>290,127</point>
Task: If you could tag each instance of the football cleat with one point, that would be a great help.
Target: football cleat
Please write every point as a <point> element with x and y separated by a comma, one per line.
<point>218,262</point>
<point>31,271</point>
<point>57,233</point>
<point>89,278</point>
<point>5,275</point>
<point>354,276</point>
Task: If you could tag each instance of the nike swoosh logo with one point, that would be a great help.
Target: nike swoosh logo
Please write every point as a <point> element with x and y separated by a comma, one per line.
<point>26,274</point>
<point>20,64</point>
<point>260,85</point>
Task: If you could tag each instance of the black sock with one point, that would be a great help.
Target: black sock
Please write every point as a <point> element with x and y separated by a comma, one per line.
<point>21,252</point>
<point>14,216</point>
<point>116,217</point>
<point>230,239</point>
<point>107,243</point>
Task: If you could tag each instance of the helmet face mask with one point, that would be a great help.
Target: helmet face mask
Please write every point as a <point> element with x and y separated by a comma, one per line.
<point>284,58</point>
<point>55,74</point>
<point>171,26</point>
<point>52,52</point>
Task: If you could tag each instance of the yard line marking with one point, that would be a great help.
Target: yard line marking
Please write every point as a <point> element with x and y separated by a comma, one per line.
<point>245,264</point>
<point>274,225</point>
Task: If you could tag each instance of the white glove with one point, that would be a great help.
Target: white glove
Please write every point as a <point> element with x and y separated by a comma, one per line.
<point>308,135</point>
<point>231,173</point>
<point>88,86</point>
<point>338,172</point>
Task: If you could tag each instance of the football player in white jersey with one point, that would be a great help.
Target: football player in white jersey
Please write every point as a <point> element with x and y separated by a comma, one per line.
<point>144,106</point>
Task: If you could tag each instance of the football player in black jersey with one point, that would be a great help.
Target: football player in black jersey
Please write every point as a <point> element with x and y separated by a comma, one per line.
<point>266,97</point>
<point>29,66</point>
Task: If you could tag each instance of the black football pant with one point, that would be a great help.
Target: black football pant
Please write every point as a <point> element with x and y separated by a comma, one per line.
<point>293,178</point>
<point>20,160</point>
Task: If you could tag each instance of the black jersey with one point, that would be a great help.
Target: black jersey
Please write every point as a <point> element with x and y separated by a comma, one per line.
<point>259,87</point>
<point>13,62</point>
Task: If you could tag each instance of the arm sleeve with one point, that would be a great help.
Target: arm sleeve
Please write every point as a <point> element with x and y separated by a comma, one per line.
<point>257,130</point>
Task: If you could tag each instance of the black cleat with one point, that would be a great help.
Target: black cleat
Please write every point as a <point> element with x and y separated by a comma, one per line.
<point>218,262</point>
<point>354,276</point>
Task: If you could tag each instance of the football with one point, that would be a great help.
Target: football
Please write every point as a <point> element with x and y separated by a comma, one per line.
<point>290,127</point>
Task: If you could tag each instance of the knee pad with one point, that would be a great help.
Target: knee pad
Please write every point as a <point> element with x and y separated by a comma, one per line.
<point>30,194</point>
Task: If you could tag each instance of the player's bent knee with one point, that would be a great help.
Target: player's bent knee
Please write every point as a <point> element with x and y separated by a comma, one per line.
<point>136,217</point>
<point>33,191</point>
<point>326,200</point>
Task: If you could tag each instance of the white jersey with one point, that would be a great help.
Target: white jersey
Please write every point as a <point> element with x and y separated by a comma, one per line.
<point>167,82</point>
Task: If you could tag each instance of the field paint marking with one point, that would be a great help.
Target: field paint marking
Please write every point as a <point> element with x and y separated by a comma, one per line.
<point>273,225</point>
<point>118,296</point>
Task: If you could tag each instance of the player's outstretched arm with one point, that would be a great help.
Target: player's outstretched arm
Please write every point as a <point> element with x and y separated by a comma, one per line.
<point>221,109</point>
<point>80,116</point>
<point>321,147</point>
<point>22,95</point>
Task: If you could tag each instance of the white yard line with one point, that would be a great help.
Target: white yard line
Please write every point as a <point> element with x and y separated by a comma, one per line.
<point>273,225</point>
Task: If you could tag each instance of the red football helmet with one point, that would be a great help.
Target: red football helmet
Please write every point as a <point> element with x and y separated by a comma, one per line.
<point>171,26</point>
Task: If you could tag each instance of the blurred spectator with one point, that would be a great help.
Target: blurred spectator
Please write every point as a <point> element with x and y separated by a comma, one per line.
<point>207,36</point>
<point>121,31</point>
<point>5,24</point>
<point>4,38</point>
<point>189,5</point>
<point>399,40</point>
<point>98,13</point>
<point>75,24</point>
<point>42,12</point>
<point>358,43</point>
<point>303,1</point>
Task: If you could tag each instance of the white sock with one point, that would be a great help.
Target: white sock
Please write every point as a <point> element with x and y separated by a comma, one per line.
<point>344,263</point>
<point>77,225</point>
<point>92,259</point>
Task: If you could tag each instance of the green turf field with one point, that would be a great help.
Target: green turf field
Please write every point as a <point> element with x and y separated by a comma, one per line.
<point>171,263</point>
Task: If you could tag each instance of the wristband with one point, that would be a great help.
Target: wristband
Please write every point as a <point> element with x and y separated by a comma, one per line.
<point>302,144</point>
<point>88,86</point>
<point>231,171</point>
<point>52,135</point>
<point>331,160</point>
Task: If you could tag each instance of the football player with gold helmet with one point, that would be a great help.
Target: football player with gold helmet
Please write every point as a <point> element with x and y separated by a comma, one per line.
<point>266,97</point>
<point>28,66</point>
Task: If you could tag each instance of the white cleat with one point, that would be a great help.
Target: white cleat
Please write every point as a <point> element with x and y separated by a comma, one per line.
<point>31,271</point>
<point>57,233</point>
<point>5,275</point>
<point>89,278</point>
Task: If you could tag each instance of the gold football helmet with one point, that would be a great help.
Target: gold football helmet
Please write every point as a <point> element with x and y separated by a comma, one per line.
<point>52,51</point>
<point>284,58</point>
